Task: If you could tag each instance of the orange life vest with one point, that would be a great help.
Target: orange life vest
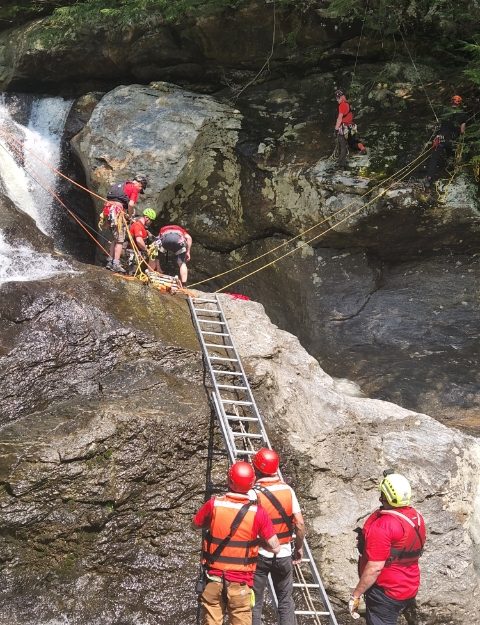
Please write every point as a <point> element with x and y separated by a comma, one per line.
<point>283,495</point>
<point>241,551</point>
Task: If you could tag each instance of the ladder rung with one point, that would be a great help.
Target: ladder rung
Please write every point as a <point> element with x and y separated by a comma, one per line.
<point>233,387</point>
<point>305,585</point>
<point>236,402</point>
<point>312,613</point>
<point>206,312</point>
<point>217,323</point>
<point>219,346</point>
<point>222,359</point>
<point>235,417</point>
<point>220,372</point>
<point>305,559</point>
<point>246,435</point>
<point>203,299</point>
<point>245,452</point>
<point>215,333</point>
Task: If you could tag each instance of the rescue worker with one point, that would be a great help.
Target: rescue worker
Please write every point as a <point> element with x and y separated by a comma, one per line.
<point>140,234</point>
<point>176,240</point>
<point>390,544</point>
<point>230,548</point>
<point>121,200</point>
<point>346,130</point>
<point>452,126</point>
<point>281,504</point>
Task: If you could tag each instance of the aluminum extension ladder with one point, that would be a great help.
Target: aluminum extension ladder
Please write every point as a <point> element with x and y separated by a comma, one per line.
<point>244,434</point>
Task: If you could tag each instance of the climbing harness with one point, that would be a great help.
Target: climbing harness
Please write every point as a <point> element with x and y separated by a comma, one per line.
<point>244,434</point>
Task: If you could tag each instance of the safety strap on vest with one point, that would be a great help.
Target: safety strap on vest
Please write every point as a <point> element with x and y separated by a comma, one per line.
<point>403,553</point>
<point>278,507</point>
<point>211,558</point>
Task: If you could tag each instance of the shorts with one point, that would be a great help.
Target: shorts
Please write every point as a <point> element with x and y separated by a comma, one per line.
<point>119,231</point>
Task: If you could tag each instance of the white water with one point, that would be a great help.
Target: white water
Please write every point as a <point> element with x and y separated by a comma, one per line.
<point>41,139</point>
<point>21,147</point>
<point>21,263</point>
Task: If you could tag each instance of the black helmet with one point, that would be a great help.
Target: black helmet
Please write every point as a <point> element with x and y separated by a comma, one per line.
<point>338,93</point>
<point>142,179</point>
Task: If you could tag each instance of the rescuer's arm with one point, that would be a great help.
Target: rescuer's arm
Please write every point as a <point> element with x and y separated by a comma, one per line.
<point>369,576</point>
<point>299,537</point>
<point>273,544</point>
<point>189,241</point>
<point>338,123</point>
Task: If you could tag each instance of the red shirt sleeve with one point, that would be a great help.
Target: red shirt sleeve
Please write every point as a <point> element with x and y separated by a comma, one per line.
<point>131,192</point>
<point>203,516</point>
<point>263,524</point>
<point>383,532</point>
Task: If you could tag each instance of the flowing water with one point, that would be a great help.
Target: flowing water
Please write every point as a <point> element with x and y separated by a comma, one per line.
<point>28,154</point>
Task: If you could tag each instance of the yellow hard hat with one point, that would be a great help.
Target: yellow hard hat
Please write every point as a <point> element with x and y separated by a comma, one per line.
<point>396,489</point>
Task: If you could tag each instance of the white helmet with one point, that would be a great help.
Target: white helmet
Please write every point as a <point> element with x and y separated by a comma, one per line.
<point>396,489</point>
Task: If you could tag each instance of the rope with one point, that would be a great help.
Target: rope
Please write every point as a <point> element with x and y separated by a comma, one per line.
<point>418,74</point>
<point>359,42</point>
<point>303,232</point>
<point>305,243</point>
<point>269,57</point>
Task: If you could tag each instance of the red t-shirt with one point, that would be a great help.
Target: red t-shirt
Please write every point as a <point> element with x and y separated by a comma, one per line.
<point>398,581</point>
<point>173,228</point>
<point>131,192</point>
<point>262,526</point>
<point>137,229</point>
<point>346,111</point>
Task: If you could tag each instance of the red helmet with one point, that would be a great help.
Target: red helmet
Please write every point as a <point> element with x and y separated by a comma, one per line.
<point>457,100</point>
<point>241,477</point>
<point>266,461</point>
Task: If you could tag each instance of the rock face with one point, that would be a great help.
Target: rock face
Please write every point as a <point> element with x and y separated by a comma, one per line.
<point>337,443</point>
<point>104,457</point>
<point>389,276</point>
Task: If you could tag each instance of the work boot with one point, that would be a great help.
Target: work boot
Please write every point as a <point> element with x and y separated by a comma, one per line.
<point>117,267</point>
<point>109,265</point>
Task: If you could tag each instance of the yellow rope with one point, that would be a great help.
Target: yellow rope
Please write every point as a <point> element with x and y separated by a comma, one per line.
<point>303,232</point>
<point>305,243</point>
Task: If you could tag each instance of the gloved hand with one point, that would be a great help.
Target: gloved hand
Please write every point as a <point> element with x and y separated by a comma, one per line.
<point>297,555</point>
<point>353,607</point>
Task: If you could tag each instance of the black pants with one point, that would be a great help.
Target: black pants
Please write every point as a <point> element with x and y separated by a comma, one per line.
<point>345,142</point>
<point>281,570</point>
<point>381,609</point>
<point>438,159</point>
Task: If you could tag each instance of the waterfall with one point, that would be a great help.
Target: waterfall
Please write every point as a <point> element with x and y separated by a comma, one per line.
<point>21,147</point>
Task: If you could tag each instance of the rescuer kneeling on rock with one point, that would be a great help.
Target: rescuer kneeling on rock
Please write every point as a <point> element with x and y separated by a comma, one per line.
<point>139,232</point>
<point>176,240</point>
<point>281,504</point>
<point>390,545</point>
<point>230,548</point>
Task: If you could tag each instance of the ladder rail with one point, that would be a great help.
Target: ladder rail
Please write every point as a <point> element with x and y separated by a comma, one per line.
<point>226,418</point>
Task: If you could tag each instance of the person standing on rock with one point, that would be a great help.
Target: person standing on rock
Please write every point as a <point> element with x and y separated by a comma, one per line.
<point>346,130</point>
<point>452,126</point>
<point>176,240</point>
<point>230,548</point>
<point>120,206</point>
<point>390,545</point>
<point>281,504</point>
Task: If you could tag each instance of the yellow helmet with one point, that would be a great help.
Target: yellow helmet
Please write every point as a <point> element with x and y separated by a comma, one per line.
<point>396,489</point>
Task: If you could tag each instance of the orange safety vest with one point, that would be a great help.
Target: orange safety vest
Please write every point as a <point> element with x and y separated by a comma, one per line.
<point>283,495</point>
<point>241,551</point>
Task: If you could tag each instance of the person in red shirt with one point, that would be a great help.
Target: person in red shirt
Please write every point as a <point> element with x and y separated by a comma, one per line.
<point>139,232</point>
<point>230,548</point>
<point>346,130</point>
<point>390,545</point>
<point>121,200</point>
<point>175,239</point>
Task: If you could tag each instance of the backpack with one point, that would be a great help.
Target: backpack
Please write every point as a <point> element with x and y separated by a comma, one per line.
<point>117,192</point>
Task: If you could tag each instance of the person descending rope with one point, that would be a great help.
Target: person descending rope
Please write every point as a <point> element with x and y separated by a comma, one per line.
<point>346,130</point>
<point>121,200</point>
<point>140,234</point>
<point>390,545</point>
<point>452,126</point>
<point>176,240</point>
<point>230,548</point>
<point>281,504</point>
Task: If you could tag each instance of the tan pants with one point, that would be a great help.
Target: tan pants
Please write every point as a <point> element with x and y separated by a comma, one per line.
<point>238,604</point>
